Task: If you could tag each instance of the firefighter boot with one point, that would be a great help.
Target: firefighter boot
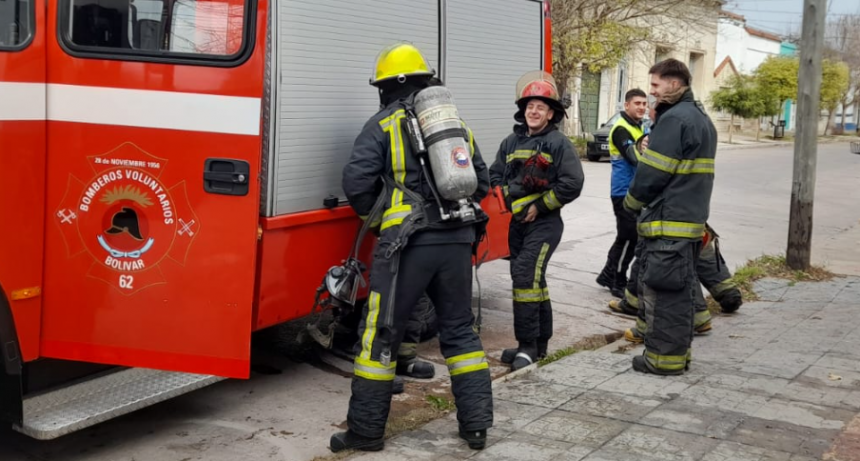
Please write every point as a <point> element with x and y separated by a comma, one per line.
<point>476,439</point>
<point>351,441</point>
<point>641,364</point>
<point>415,368</point>
<point>731,301</point>
<point>606,279</point>
<point>398,386</point>
<point>508,355</point>
<point>634,336</point>
<point>525,356</point>
<point>542,346</point>
<point>621,306</point>
<point>619,286</point>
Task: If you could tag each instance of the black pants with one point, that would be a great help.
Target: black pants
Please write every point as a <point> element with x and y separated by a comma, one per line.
<point>445,273</point>
<point>622,250</point>
<point>669,295</point>
<point>532,245</point>
<point>421,326</point>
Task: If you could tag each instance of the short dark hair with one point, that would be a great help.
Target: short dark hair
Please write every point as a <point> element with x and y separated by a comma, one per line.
<point>633,93</point>
<point>672,68</point>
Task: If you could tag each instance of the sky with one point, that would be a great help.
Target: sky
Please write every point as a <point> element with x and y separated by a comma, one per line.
<point>784,16</point>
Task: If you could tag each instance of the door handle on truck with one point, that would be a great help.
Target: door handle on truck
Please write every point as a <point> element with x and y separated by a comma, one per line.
<point>226,176</point>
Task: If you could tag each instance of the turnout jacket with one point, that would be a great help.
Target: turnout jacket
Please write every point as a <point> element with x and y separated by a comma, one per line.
<point>383,149</point>
<point>564,177</point>
<point>675,177</point>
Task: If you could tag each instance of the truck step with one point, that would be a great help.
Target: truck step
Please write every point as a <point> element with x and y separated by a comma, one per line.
<point>69,409</point>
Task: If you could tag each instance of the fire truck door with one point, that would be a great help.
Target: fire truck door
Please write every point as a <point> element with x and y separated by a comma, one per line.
<point>22,161</point>
<point>153,196</point>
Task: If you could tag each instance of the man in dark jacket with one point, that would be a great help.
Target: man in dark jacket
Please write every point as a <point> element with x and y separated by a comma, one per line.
<point>671,191</point>
<point>539,172</point>
<point>625,139</point>
<point>417,252</point>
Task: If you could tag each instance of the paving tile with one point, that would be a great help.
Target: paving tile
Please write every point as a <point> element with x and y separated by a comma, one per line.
<point>581,430</point>
<point>612,405</point>
<point>511,417</point>
<point>641,443</point>
<point>732,451</point>
<point>526,447</point>
<point>645,385</point>
<point>782,436</point>
<point>820,394</point>
<point>541,393</point>
<point>832,377</point>
<point>440,437</point>
<point>804,414</point>
<point>723,399</point>
<point>599,360</point>
<point>581,377</point>
<point>778,363</point>
<point>683,416</point>
<point>746,382</point>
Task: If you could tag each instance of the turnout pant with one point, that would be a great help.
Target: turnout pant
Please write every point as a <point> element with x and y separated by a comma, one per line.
<point>717,279</point>
<point>701,314</point>
<point>421,325</point>
<point>445,273</point>
<point>622,250</point>
<point>531,245</point>
<point>668,297</point>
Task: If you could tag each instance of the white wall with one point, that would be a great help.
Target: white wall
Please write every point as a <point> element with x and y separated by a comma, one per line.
<point>731,41</point>
<point>747,51</point>
<point>758,49</point>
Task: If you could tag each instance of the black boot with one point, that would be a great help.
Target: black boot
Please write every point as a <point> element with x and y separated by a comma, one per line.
<point>542,346</point>
<point>351,441</point>
<point>398,386</point>
<point>526,355</point>
<point>508,355</point>
<point>642,365</point>
<point>415,368</point>
<point>476,439</point>
<point>606,278</point>
<point>731,301</point>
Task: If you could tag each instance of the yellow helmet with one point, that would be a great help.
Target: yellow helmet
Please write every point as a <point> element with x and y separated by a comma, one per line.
<point>399,61</point>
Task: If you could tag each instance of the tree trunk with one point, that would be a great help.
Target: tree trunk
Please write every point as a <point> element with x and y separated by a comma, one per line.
<point>731,127</point>
<point>758,130</point>
<point>829,120</point>
<point>844,103</point>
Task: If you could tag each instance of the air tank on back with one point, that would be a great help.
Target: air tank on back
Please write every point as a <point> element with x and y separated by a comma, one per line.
<point>447,143</point>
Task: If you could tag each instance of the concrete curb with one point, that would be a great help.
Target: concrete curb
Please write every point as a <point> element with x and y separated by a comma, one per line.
<point>766,144</point>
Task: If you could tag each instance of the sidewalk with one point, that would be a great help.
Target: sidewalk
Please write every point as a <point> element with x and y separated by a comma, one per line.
<point>749,142</point>
<point>778,381</point>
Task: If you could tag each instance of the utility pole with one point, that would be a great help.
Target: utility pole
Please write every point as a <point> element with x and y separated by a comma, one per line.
<point>806,141</point>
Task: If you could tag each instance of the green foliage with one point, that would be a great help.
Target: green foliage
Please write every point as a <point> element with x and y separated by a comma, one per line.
<point>441,403</point>
<point>834,83</point>
<point>745,98</point>
<point>777,76</point>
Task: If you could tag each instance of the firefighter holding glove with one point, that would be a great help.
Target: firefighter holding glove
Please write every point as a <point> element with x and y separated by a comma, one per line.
<point>539,172</point>
<point>419,250</point>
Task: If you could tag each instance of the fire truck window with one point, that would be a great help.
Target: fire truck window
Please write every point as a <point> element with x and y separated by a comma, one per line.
<point>213,28</point>
<point>16,23</point>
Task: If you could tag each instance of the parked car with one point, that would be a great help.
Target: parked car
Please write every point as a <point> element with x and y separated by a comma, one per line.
<point>598,145</point>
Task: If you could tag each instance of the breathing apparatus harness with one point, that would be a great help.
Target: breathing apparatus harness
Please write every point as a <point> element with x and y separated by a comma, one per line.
<point>340,281</point>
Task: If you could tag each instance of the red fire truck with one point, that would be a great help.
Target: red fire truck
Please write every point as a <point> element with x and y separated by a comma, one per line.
<point>173,177</point>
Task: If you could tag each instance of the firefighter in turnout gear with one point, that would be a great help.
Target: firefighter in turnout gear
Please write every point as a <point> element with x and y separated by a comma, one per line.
<point>713,274</point>
<point>625,139</point>
<point>671,192</point>
<point>418,251</point>
<point>539,172</point>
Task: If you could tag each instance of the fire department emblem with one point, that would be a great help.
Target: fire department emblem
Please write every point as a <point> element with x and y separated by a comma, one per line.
<point>127,219</point>
<point>461,157</point>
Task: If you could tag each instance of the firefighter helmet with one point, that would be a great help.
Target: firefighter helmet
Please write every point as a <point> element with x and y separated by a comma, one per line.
<point>541,85</point>
<point>399,61</point>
